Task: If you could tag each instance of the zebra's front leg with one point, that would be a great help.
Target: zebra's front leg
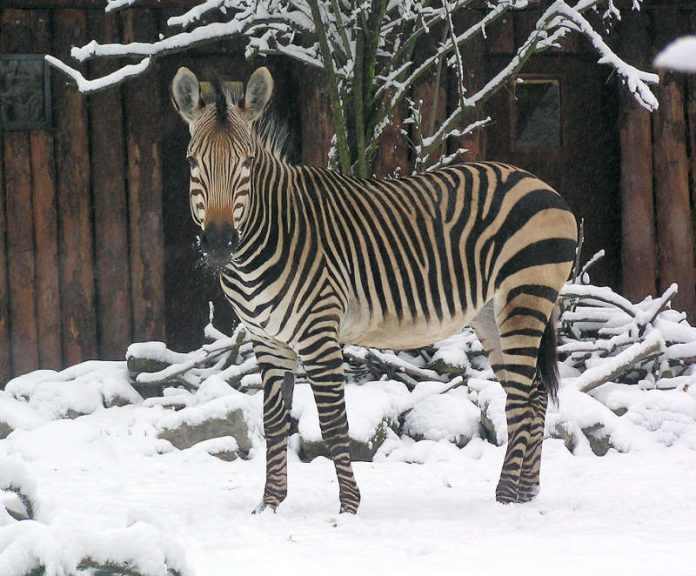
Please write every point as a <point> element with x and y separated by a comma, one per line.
<point>275,360</point>
<point>323,362</point>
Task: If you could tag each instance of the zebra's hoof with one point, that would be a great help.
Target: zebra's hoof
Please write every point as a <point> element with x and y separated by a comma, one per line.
<point>263,507</point>
<point>506,496</point>
<point>529,494</point>
<point>348,509</point>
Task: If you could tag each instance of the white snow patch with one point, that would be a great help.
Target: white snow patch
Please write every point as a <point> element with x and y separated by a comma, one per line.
<point>680,55</point>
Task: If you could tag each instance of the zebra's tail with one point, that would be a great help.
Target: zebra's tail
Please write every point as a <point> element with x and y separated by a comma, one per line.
<point>547,361</point>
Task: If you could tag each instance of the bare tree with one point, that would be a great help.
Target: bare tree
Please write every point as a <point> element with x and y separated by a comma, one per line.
<point>366,49</point>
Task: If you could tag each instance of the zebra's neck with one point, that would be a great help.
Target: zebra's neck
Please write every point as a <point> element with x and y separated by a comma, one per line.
<point>271,198</point>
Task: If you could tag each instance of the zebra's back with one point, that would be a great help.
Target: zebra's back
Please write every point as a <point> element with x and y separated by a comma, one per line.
<point>416,258</point>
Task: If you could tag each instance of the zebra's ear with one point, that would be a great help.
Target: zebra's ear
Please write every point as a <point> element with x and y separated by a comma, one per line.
<point>186,94</point>
<point>258,93</point>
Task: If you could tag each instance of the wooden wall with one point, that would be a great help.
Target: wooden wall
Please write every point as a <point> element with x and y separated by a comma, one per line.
<point>88,262</point>
<point>658,164</point>
<point>81,251</point>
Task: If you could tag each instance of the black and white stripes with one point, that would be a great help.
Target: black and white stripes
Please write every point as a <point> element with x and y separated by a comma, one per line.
<point>320,259</point>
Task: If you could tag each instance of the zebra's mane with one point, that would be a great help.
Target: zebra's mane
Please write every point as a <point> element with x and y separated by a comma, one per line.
<point>273,135</point>
<point>270,132</point>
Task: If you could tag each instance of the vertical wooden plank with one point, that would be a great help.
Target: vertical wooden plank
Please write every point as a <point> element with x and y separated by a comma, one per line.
<point>144,189</point>
<point>500,37</point>
<point>674,228</point>
<point>475,67</point>
<point>46,250</point>
<point>392,157</point>
<point>5,352</point>
<point>45,222</point>
<point>691,114</point>
<point>5,348</point>
<point>638,250</point>
<point>108,167</point>
<point>78,321</point>
<point>315,117</point>
<point>17,37</point>
<point>20,247</point>
<point>431,93</point>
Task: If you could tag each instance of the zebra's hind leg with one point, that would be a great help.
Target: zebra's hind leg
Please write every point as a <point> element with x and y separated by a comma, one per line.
<point>521,315</point>
<point>275,361</point>
<point>323,363</point>
<point>528,486</point>
<point>517,407</point>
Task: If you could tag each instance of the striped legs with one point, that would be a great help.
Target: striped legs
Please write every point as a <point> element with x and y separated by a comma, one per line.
<point>511,336</point>
<point>528,486</point>
<point>323,362</point>
<point>275,361</point>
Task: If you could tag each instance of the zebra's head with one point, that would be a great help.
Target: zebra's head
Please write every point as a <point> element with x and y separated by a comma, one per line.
<point>221,156</point>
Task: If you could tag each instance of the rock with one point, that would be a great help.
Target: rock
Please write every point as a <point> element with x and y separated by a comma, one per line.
<point>360,450</point>
<point>224,448</point>
<point>562,433</point>
<point>5,429</point>
<point>488,431</point>
<point>451,417</point>
<point>185,434</point>
<point>600,441</point>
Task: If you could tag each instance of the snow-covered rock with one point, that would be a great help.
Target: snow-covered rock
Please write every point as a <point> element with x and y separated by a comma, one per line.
<point>372,409</point>
<point>221,412</point>
<point>450,417</point>
<point>80,389</point>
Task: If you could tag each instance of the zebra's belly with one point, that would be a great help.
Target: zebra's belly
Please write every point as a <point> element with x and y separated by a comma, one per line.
<point>391,332</point>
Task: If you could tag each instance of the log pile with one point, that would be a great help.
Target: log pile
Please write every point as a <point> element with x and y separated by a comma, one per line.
<point>602,336</point>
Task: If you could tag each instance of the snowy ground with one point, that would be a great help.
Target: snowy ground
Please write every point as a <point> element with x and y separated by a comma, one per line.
<point>631,513</point>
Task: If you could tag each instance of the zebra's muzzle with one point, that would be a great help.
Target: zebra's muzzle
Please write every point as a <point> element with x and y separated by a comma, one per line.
<point>218,243</point>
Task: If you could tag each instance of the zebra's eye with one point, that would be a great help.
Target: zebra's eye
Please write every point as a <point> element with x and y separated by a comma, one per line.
<point>248,163</point>
<point>192,161</point>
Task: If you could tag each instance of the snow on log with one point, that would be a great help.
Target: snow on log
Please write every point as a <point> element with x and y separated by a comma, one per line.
<point>619,364</point>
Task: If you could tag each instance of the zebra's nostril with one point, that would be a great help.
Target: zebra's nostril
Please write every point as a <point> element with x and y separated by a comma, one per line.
<point>218,242</point>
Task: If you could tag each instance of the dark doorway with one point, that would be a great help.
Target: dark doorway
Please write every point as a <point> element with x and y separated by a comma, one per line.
<point>189,285</point>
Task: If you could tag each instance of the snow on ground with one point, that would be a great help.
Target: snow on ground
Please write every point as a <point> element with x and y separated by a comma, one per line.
<point>108,487</point>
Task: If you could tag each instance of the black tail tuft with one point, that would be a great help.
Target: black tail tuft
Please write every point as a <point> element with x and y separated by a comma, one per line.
<point>547,361</point>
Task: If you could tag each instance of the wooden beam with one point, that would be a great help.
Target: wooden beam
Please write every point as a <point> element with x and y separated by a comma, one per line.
<point>108,165</point>
<point>638,248</point>
<point>5,349</point>
<point>17,36</point>
<point>5,338</point>
<point>45,220</point>
<point>674,217</point>
<point>315,117</point>
<point>432,93</point>
<point>691,117</point>
<point>74,202</point>
<point>475,69</point>
<point>145,189</point>
<point>20,252</point>
<point>392,154</point>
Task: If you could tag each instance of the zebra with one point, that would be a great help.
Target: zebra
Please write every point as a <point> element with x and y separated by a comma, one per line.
<point>310,259</point>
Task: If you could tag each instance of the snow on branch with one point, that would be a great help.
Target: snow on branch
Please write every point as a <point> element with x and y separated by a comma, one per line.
<point>88,86</point>
<point>636,80</point>
<point>368,51</point>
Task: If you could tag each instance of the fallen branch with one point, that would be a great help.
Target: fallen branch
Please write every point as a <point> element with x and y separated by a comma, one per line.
<point>619,364</point>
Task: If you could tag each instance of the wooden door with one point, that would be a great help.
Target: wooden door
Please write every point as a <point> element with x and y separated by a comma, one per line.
<point>579,157</point>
